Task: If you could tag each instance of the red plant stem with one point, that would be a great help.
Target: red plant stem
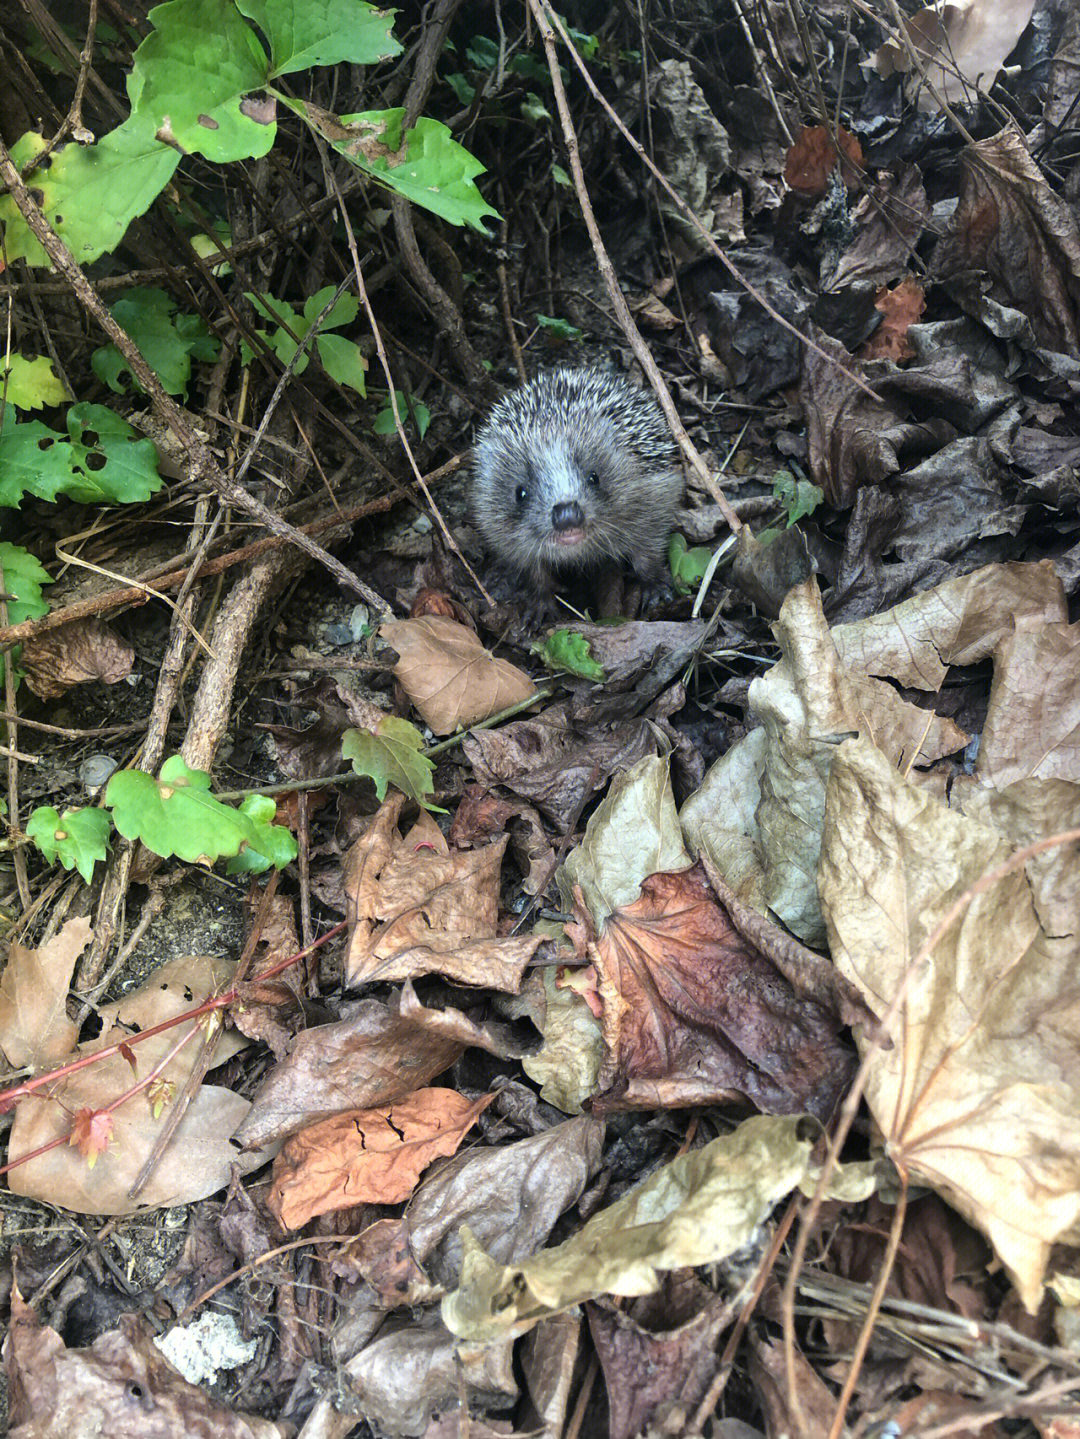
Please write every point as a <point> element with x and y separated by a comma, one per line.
<point>9,1097</point>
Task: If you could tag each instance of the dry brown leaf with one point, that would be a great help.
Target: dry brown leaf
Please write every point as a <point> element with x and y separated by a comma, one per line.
<point>979,1095</point>
<point>448,674</point>
<point>813,157</point>
<point>958,622</point>
<point>960,44</point>
<point>368,1156</point>
<point>418,907</point>
<point>1010,223</point>
<point>1033,721</point>
<point>34,1027</point>
<point>122,1385</point>
<point>693,1014</point>
<point>550,760</point>
<point>74,654</point>
<point>376,1056</point>
<point>901,307</point>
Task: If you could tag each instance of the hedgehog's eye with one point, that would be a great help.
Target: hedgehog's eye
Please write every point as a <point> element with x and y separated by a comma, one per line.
<point>593,480</point>
<point>521,494</point>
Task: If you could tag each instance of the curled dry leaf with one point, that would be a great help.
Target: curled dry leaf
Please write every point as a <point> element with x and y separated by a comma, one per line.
<point>1012,225</point>
<point>122,1385</point>
<point>551,761</point>
<point>758,813</point>
<point>448,674</point>
<point>980,1094</point>
<point>368,1156</point>
<point>75,654</point>
<point>34,1026</point>
<point>694,1014</point>
<point>417,907</point>
<point>700,1208</point>
<point>1033,720</point>
<point>375,1056</point>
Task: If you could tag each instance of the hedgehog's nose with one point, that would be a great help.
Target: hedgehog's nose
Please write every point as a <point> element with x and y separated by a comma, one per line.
<point>567,516</point>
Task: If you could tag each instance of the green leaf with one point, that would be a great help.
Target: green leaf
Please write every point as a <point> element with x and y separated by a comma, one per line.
<point>344,312</point>
<point>534,110</point>
<point>190,76</point>
<point>343,362</point>
<point>463,91</point>
<point>31,383</point>
<point>273,847</point>
<point>688,566</point>
<point>167,345</point>
<point>426,164</point>
<point>567,650</point>
<point>561,329</point>
<point>384,420</point>
<point>78,838</point>
<point>324,33</point>
<point>482,52</point>
<point>176,815</point>
<point>104,461</point>
<point>23,579</point>
<point>559,175</point>
<point>113,463</point>
<point>90,193</point>
<point>798,497</point>
<point>530,68</point>
<point>393,755</point>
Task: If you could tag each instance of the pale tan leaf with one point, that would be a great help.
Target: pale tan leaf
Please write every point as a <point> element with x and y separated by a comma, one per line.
<point>980,1094</point>
<point>74,654</point>
<point>448,674</point>
<point>960,44</point>
<point>34,1027</point>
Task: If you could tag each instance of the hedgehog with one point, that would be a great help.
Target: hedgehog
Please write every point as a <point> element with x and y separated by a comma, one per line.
<point>574,473</point>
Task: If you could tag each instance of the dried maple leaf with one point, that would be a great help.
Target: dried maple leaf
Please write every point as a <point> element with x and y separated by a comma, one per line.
<point>34,1027</point>
<point>448,674</point>
<point>693,1014</point>
<point>979,1095</point>
<point>813,157</point>
<point>368,1156</point>
<point>91,1133</point>
<point>418,907</point>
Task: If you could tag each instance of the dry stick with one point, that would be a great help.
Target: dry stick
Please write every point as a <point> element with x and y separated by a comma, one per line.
<point>506,307</point>
<point>203,465</point>
<point>398,426</point>
<point>436,25</point>
<point>713,247</point>
<point>762,72</point>
<point>607,271</point>
<point>22,882</point>
<point>138,591</point>
<point>850,1107</point>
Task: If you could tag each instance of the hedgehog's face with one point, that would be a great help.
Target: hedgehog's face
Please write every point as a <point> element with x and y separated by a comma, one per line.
<point>558,496</point>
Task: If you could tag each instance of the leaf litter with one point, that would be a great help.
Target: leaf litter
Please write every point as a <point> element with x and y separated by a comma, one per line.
<point>542,1125</point>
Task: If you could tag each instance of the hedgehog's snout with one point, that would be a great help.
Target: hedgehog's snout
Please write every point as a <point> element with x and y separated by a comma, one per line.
<point>567,515</point>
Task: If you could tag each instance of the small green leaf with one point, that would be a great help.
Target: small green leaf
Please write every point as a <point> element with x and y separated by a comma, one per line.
<point>90,193</point>
<point>23,578</point>
<point>112,463</point>
<point>191,74</point>
<point>273,845</point>
<point>559,175</point>
<point>534,110</point>
<point>530,68</point>
<point>561,329</point>
<point>798,497</point>
<point>463,91</point>
<point>482,52</point>
<point>323,33</point>
<point>343,361</point>
<point>31,383</point>
<point>78,838</point>
<point>393,755</point>
<point>167,344</point>
<point>176,815</point>
<point>426,164</point>
<point>384,420</point>
<point>688,566</point>
<point>567,650</point>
